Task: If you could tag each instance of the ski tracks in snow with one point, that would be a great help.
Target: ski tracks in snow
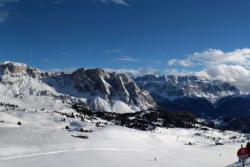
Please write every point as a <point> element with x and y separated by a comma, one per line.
<point>68,150</point>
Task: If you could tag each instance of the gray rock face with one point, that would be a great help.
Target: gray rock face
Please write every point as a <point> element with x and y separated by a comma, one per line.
<point>18,68</point>
<point>110,87</point>
<point>18,80</point>
<point>173,87</point>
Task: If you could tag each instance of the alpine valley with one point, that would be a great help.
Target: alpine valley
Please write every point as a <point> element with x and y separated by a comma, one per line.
<point>50,115</point>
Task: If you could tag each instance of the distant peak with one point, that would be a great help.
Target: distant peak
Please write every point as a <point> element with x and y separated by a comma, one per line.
<point>15,67</point>
<point>13,63</point>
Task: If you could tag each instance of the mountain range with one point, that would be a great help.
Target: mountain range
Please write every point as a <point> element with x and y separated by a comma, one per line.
<point>115,92</point>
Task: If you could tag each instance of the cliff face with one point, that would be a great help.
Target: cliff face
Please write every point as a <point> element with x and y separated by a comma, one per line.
<point>173,87</point>
<point>102,90</point>
<point>17,80</point>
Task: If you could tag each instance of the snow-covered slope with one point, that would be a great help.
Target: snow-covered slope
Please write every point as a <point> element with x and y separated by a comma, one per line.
<point>100,90</point>
<point>42,140</point>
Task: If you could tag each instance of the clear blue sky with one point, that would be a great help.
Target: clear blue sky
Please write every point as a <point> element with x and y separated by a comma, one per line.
<point>103,33</point>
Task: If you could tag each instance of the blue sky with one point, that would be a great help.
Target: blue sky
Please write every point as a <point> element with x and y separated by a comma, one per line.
<point>61,34</point>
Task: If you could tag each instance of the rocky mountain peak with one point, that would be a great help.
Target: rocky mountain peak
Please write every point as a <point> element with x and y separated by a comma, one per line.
<point>96,73</point>
<point>19,68</point>
<point>109,91</point>
<point>13,67</point>
<point>103,90</point>
<point>172,87</point>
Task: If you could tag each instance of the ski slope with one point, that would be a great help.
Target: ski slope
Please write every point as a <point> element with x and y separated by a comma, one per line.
<point>43,141</point>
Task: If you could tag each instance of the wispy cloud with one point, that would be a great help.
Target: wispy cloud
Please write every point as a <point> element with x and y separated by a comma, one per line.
<point>113,51</point>
<point>65,70</point>
<point>136,72</point>
<point>45,60</point>
<point>4,12</point>
<point>57,2</point>
<point>120,2</point>
<point>184,63</point>
<point>4,2</point>
<point>117,2</point>
<point>3,16</point>
<point>125,58</point>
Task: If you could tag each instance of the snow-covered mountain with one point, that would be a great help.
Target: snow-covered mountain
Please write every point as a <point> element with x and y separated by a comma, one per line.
<point>17,80</point>
<point>173,87</point>
<point>194,94</point>
<point>100,90</point>
<point>115,92</point>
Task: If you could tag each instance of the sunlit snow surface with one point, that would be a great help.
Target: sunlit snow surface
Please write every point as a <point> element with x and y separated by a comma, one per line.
<point>42,141</point>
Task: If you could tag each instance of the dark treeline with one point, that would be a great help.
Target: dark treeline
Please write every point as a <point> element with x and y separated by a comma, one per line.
<point>144,120</point>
